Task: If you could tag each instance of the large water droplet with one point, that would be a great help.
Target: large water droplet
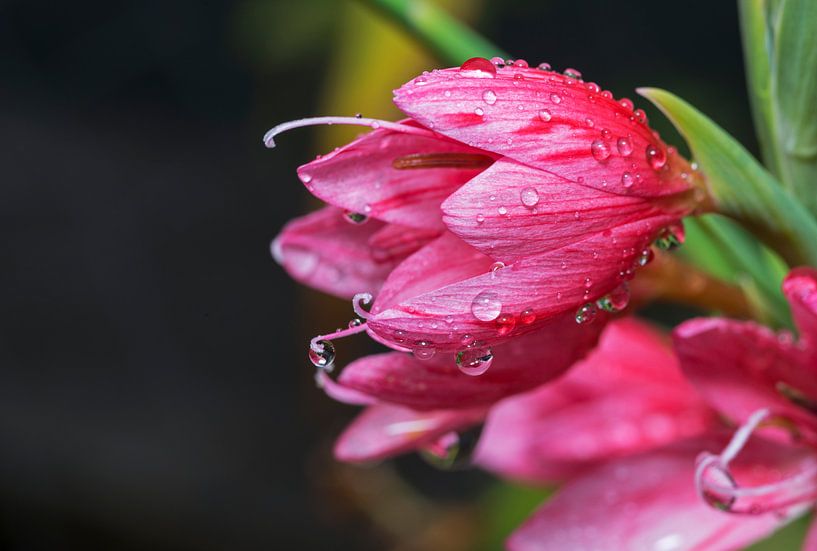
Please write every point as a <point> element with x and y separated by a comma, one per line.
<point>616,301</point>
<point>656,157</point>
<point>627,180</point>
<point>474,361</point>
<point>324,357</point>
<point>573,73</point>
<point>624,146</point>
<point>529,197</point>
<point>600,150</point>
<point>545,115</point>
<point>527,316</point>
<point>505,324</point>
<point>356,218</point>
<point>489,97</point>
<point>479,67</point>
<point>486,306</point>
<point>423,350</point>
<point>586,313</point>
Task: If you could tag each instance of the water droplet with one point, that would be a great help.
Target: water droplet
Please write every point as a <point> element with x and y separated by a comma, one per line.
<point>468,341</point>
<point>527,316</point>
<point>545,115</point>
<point>305,178</point>
<point>399,336</point>
<point>640,116</point>
<point>589,122</point>
<point>586,313</point>
<point>544,67</point>
<point>489,97</point>
<point>715,493</point>
<point>355,323</point>
<point>593,87</point>
<point>420,81</point>
<point>605,134</point>
<point>475,360</point>
<point>656,157</point>
<point>479,67</point>
<point>600,150</point>
<point>626,103</point>
<point>644,257</point>
<point>556,98</point>
<point>423,350</point>
<point>627,180</point>
<point>670,238</point>
<point>505,324</point>
<point>453,450</point>
<point>616,300</point>
<point>497,266</point>
<point>588,282</point>
<point>607,94</point>
<point>486,306</point>
<point>498,61</point>
<point>624,146</point>
<point>520,63</point>
<point>480,218</point>
<point>529,197</point>
<point>355,217</point>
<point>502,211</point>
<point>573,73</point>
<point>324,357</point>
<point>479,111</point>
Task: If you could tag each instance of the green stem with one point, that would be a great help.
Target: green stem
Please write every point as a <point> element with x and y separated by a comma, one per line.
<point>450,39</point>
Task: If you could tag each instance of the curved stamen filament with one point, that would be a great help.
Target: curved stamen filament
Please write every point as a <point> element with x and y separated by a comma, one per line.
<point>357,304</point>
<point>269,137</point>
<point>316,345</point>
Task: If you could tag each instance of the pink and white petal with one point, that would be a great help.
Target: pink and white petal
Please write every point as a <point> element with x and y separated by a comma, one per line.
<point>800,288</point>
<point>512,210</point>
<point>741,367</point>
<point>361,177</point>
<point>811,538</point>
<point>325,252</point>
<point>395,242</point>
<point>548,121</point>
<point>437,383</point>
<point>642,502</point>
<point>504,303</point>
<point>385,430</point>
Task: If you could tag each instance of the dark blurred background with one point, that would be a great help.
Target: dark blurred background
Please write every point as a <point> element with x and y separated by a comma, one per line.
<point>154,391</point>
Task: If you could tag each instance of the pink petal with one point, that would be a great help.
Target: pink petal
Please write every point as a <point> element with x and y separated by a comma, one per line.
<point>511,211</point>
<point>811,538</point>
<point>324,251</point>
<point>395,242</point>
<point>548,121</point>
<point>642,502</point>
<point>800,288</point>
<point>627,396</point>
<point>437,383</point>
<point>360,177</point>
<point>741,367</point>
<point>384,430</point>
<point>446,290</point>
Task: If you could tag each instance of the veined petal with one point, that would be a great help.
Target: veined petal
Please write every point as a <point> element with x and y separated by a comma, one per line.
<point>361,177</point>
<point>437,383</point>
<point>626,397</point>
<point>641,502</point>
<point>324,251</point>
<point>440,294</point>
<point>395,242</point>
<point>800,287</point>
<point>512,210</point>
<point>384,430</point>
<point>741,367</point>
<point>548,121</point>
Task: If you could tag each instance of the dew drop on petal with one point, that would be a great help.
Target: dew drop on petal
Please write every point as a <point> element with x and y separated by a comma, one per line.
<point>589,122</point>
<point>423,350</point>
<point>656,157</point>
<point>616,300</point>
<point>489,97</point>
<point>480,218</point>
<point>486,306</point>
<point>600,150</point>
<point>627,180</point>
<point>355,217</point>
<point>644,257</point>
<point>556,98</point>
<point>527,316</point>
<point>545,115</point>
<point>475,360</point>
<point>324,357</point>
<point>626,103</point>
<point>624,146</point>
<point>586,313</point>
<point>529,197</point>
<point>572,73</point>
<point>505,324</point>
<point>496,266</point>
<point>477,65</point>
<point>479,111</point>
<point>605,134</point>
<point>544,67</point>
<point>520,63</point>
<point>502,211</point>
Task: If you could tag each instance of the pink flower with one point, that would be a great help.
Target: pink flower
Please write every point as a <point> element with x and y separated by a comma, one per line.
<point>545,192</point>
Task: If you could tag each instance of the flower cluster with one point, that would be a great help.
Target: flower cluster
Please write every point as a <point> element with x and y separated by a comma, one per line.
<point>494,234</point>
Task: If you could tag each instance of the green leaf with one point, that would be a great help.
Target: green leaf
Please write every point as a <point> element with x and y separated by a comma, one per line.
<point>741,188</point>
<point>780,44</point>
<point>450,39</point>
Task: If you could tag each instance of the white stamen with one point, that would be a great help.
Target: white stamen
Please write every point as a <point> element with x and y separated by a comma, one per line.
<point>269,140</point>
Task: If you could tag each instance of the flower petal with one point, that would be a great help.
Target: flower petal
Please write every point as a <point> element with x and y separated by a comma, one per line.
<point>627,396</point>
<point>800,288</point>
<point>440,294</point>
<point>395,242</point>
<point>437,383</point>
<point>384,430</point>
<point>512,210</point>
<point>548,121</point>
<point>741,367</point>
<point>641,502</point>
<point>342,269</point>
<point>361,177</point>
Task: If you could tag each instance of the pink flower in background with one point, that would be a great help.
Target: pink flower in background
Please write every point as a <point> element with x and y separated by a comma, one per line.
<point>529,196</point>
